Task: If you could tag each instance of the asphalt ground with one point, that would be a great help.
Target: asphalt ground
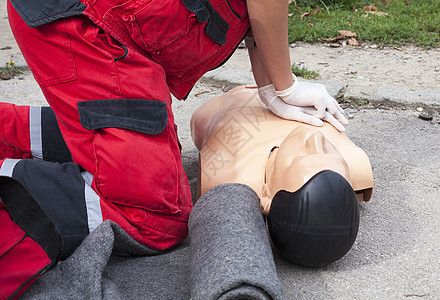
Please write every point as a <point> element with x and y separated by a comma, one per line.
<point>396,254</point>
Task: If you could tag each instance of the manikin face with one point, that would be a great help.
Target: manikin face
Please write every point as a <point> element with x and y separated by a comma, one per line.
<point>303,153</point>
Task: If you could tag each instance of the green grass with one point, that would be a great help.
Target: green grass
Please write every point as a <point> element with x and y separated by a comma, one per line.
<point>11,69</point>
<point>304,72</point>
<point>408,21</point>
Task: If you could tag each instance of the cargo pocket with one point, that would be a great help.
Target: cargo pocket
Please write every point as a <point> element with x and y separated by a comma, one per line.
<point>147,116</point>
<point>56,63</point>
<point>216,27</point>
<point>135,166</point>
<point>153,24</point>
<point>204,40</point>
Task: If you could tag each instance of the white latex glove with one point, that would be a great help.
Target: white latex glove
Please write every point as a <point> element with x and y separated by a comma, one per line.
<point>313,94</point>
<point>305,114</point>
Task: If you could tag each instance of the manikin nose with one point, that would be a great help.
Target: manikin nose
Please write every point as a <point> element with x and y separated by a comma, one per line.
<point>315,143</point>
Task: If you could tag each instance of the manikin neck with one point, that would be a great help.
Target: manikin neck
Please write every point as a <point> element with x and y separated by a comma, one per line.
<point>265,198</point>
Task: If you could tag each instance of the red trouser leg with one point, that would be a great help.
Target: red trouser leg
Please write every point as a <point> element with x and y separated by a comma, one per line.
<point>63,192</point>
<point>128,146</point>
<point>52,207</point>
<point>29,241</point>
<point>31,132</point>
<point>14,131</point>
<point>21,258</point>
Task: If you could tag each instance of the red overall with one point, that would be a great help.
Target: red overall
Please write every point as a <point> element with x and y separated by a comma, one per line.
<point>137,171</point>
<point>107,74</point>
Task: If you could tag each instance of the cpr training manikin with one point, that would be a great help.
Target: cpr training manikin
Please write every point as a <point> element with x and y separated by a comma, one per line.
<point>309,179</point>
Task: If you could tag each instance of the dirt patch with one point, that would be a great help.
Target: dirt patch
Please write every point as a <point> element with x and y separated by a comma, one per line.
<point>411,69</point>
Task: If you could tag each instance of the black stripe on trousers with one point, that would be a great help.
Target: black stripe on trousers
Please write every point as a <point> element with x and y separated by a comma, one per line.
<point>59,190</point>
<point>53,145</point>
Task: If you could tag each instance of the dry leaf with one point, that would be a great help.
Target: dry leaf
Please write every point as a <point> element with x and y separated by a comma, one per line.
<point>310,25</point>
<point>397,48</point>
<point>200,93</point>
<point>330,39</point>
<point>370,7</point>
<point>311,13</point>
<point>290,15</point>
<point>305,15</point>
<point>353,42</point>
<point>347,34</point>
<point>346,37</point>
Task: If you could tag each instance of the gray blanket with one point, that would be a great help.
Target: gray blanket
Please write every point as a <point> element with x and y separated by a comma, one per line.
<point>227,256</point>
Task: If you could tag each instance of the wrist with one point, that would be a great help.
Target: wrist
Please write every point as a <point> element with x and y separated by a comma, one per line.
<point>283,82</point>
<point>265,87</point>
<point>288,91</point>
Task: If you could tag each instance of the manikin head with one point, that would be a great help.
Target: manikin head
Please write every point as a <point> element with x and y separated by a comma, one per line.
<point>312,210</point>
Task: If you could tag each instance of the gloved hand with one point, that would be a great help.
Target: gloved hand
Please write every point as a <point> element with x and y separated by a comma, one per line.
<point>305,114</point>
<point>313,94</point>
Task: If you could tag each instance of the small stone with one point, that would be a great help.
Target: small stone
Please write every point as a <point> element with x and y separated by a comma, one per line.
<point>419,109</point>
<point>331,56</point>
<point>226,88</point>
<point>293,45</point>
<point>335,45</point>
<point>374,46</point>
<point>437,69</point>
<point>5,76</point>
<point>426,115</point>
<point>350,116</point>
<point>21,77</point>
<point>403,108</point>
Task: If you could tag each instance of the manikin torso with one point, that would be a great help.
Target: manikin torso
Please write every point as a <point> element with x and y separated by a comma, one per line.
<point>235,134</point>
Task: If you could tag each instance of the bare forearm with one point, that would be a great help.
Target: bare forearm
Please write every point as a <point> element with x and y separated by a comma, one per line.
<point>269,26</point>
<point>258,69</point>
